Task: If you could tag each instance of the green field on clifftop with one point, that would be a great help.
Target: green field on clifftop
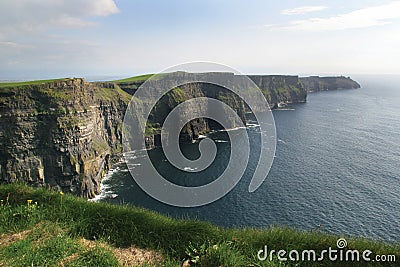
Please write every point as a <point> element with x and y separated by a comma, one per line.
<point>35,82</point>
<point>40,227</point>
<point>135,78</point>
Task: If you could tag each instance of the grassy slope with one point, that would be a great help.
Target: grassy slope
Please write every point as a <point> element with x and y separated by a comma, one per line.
<point>135,78</point>
<point>15,84</point>
<point>57,97</point>
<point>58,224</point>
<point>113,94</point>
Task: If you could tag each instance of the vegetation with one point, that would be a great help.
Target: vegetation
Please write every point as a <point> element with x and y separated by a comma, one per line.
<point>135,78</point>
<point>99,145</point>
<point>178,95</point>
<point>17,84</point>
<point>152,129</point>
<point>140,78</point>
<point>39,227</point>
<point>286,90</point>
<point>113,94</point>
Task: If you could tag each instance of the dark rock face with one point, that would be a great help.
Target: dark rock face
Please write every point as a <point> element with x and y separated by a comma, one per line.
<point>60,134</point>
<point>279,89</point>
<point>316,83</point>
<point>64,134</point>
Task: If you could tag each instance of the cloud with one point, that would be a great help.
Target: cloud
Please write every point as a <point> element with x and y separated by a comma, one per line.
<point>32,15</point>
<point>361,18</point>
<point>13,45</point>
<point>302,10</point>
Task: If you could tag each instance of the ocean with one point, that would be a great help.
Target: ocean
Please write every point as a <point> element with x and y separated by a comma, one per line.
<point>336,169</point>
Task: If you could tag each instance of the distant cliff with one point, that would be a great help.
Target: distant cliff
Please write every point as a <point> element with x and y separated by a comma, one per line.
<point>280,88</point>
<point>276,88</point>
<point>316,83</point>
<point>64,133</point>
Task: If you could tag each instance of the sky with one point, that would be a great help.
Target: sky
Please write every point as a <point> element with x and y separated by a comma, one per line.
<point>82,38</point>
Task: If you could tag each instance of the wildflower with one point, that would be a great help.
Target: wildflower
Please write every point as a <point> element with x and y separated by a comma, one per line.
<point>61,193</point>
<point>29,201</point>
<point>215,247</point>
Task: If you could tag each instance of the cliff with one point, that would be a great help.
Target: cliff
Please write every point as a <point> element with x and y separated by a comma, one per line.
<point>316,83</point>
<point>276,88</point>
<point>64,133</point>
<point>60,134</point>
<point>280,88</point>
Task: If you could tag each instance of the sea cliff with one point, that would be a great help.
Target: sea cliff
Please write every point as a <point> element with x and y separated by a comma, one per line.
<point>316,83</point>
<point>64,133</point>
<point>60,134</point>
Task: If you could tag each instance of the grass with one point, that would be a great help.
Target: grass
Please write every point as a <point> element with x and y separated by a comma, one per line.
<point>63,230</point>
<point>178,95</point>
<point>113,94</point>
<point>16,84</point>
<point>139,78</point>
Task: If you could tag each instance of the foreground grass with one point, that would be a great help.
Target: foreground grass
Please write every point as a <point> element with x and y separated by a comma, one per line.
<point>43,228</point>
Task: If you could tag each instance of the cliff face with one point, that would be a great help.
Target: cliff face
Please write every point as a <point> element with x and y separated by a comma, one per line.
<point>276,88</point>
<point>60,134</point>
<point>316,83</point>
<point>280,88</point>
<point>63,134</point>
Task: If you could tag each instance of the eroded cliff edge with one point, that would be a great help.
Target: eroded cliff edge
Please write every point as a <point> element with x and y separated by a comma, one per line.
<point>64,133</point>
<point>316,83</point>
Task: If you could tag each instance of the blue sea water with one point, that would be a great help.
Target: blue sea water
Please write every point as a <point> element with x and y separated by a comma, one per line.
<point>337,166</point>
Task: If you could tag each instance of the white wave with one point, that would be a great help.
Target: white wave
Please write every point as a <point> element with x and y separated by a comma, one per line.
<point>221,141</point>
<point>133,165</point>
<point>252,125</point>
<point>129,156</point>
<point>231,129</point>
<point>105,191</point>
<point>279,140</point>
<point>189,169</point>
<point>283,109</point>
<point>201,136</point>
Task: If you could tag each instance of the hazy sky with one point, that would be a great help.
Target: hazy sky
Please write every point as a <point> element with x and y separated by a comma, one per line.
<point>78,38</point>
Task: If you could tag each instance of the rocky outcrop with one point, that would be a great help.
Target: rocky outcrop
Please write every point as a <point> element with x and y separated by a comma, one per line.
<point>316,83</point>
